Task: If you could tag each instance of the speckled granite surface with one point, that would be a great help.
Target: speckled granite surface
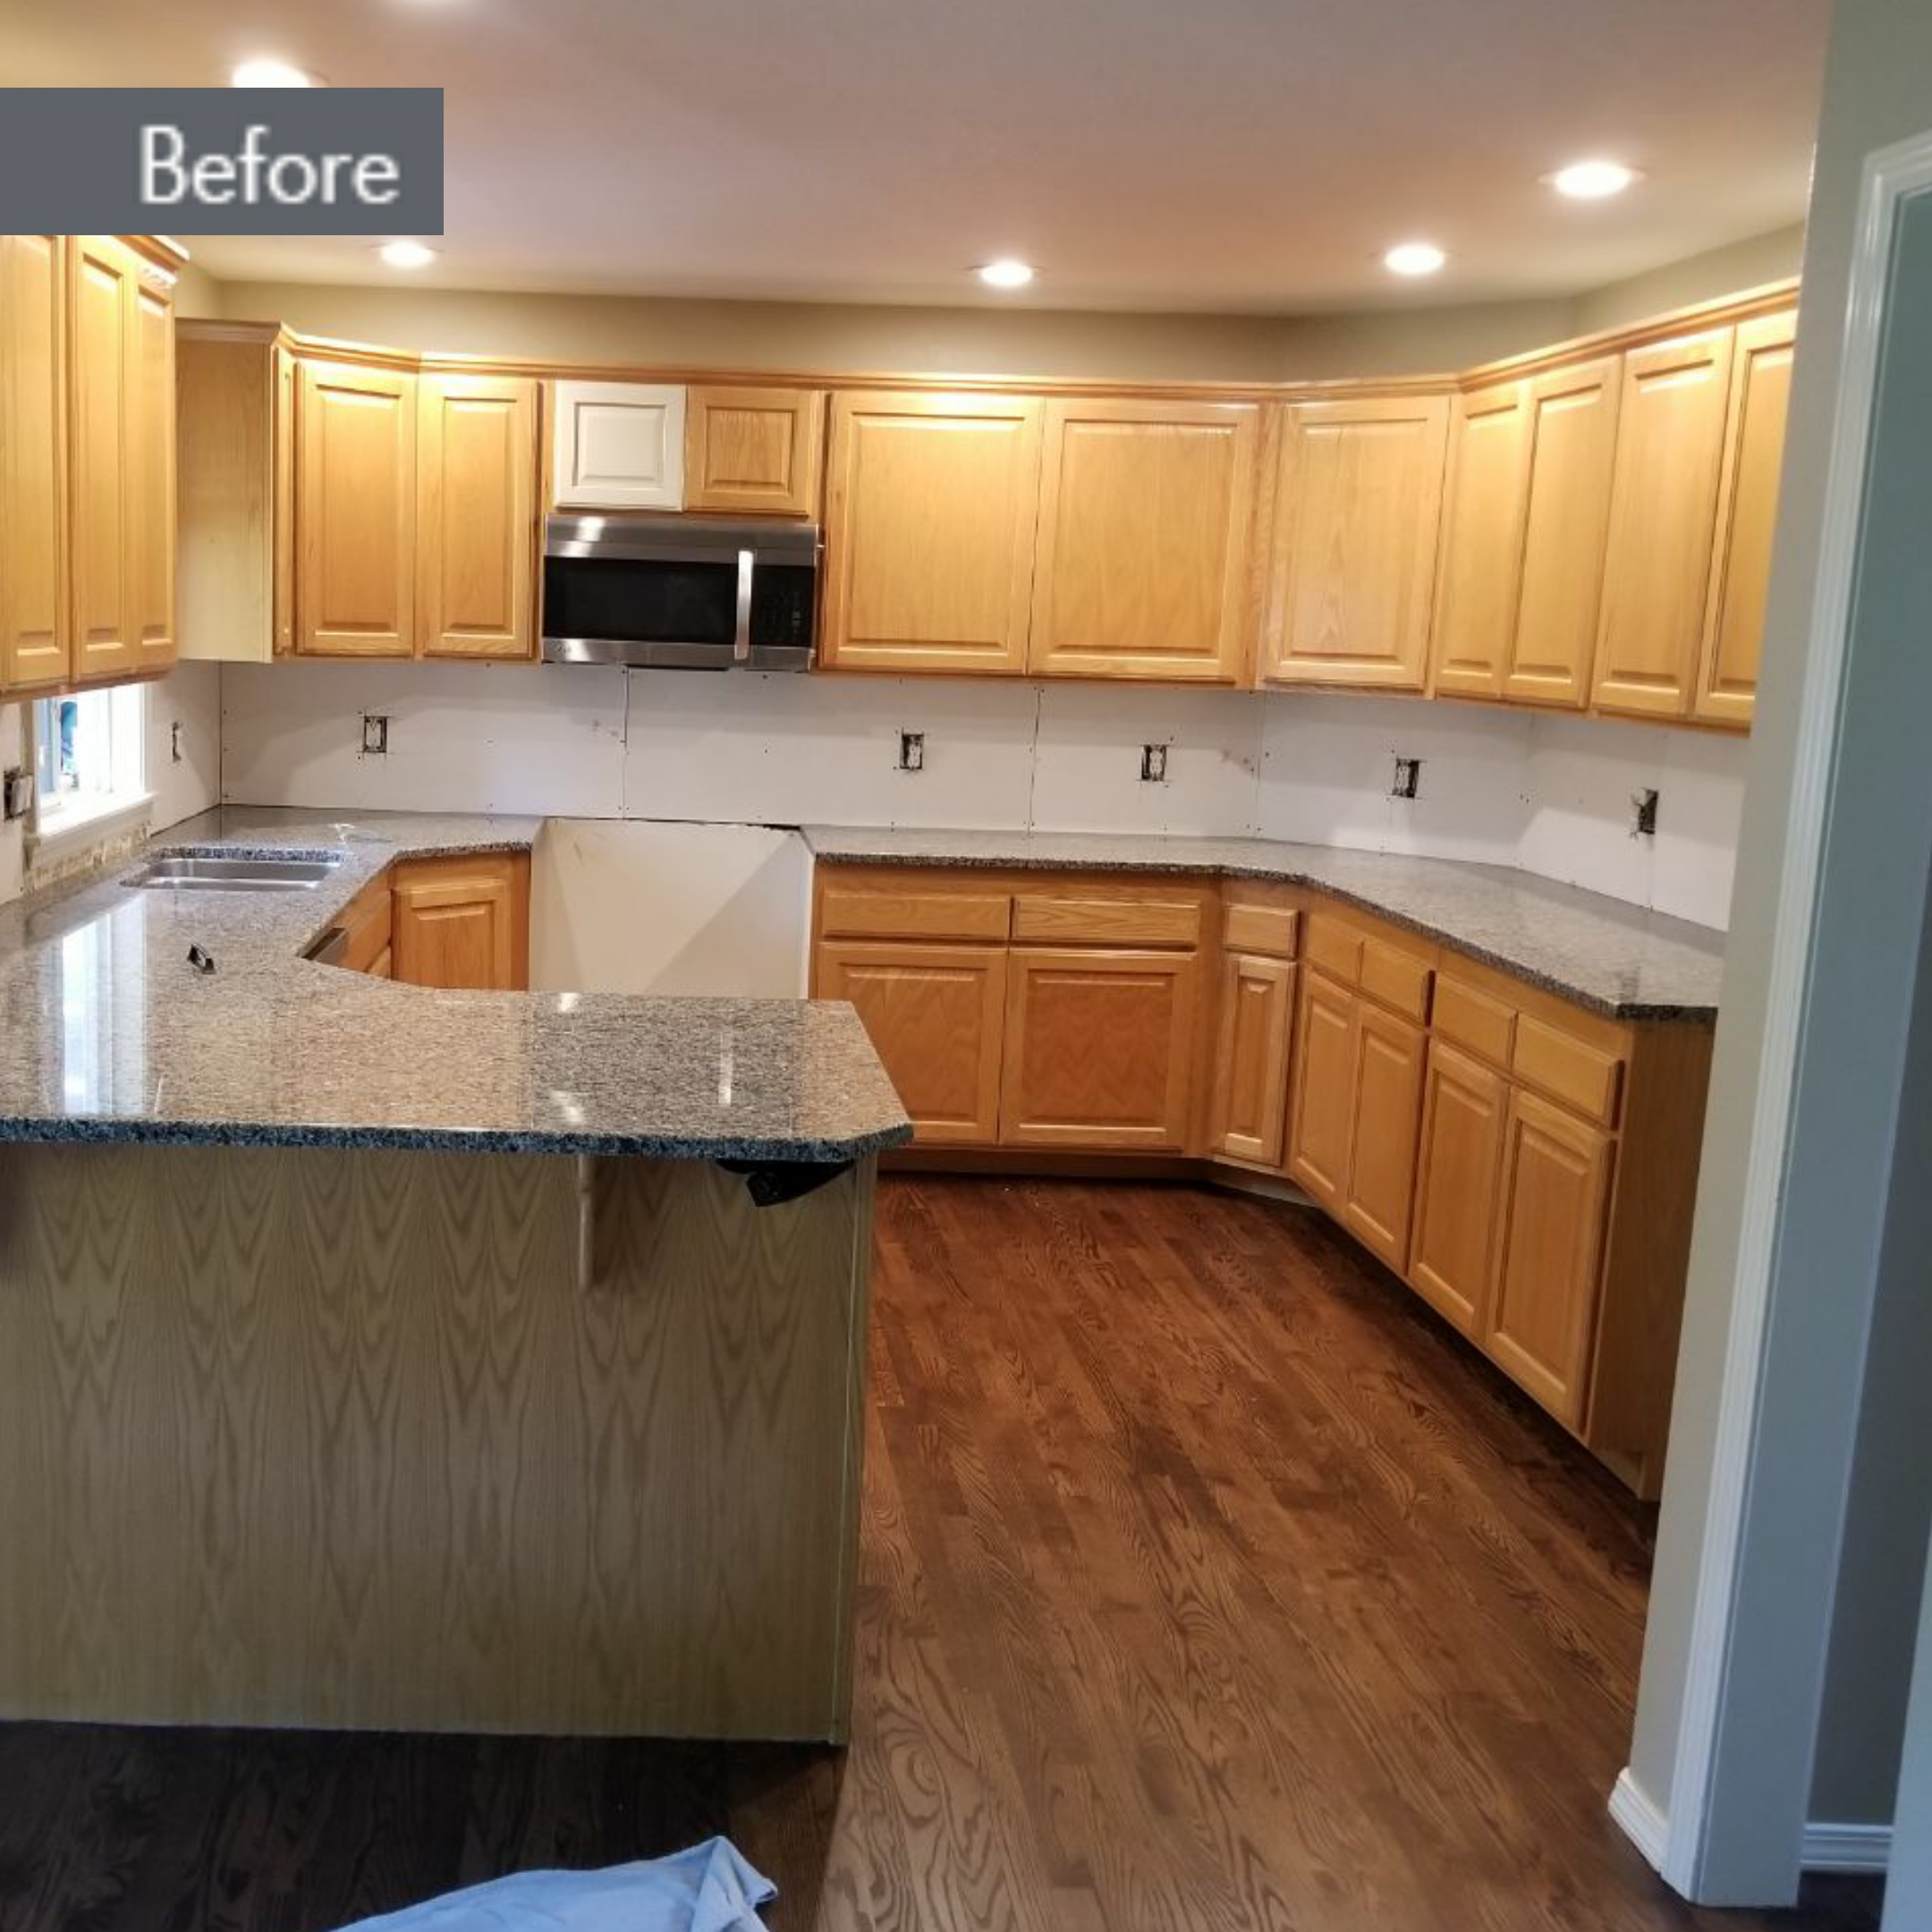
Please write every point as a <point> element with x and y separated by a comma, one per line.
<point>107,1033</point>
<point>1613,958</point>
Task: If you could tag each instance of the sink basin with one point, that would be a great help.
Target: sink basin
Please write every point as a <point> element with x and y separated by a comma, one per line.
<point>189,872</point>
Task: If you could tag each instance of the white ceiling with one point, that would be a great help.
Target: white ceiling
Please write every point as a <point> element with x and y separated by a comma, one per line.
<point>1222,155</point>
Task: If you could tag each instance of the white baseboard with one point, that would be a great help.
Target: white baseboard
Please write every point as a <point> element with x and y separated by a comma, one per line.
<point>1847,1848</point>
<point>1643,1824</point>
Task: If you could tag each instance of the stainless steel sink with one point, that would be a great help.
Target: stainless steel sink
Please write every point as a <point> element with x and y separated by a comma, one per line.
<point>214,872</point>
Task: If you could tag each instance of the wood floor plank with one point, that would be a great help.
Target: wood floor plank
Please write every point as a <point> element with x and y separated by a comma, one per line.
<point>1207,1580</point>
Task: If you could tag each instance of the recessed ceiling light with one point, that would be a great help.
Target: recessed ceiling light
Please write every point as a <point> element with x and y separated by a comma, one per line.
<point>270,74</point>
<point>1592,181</point>
<point>406,254</point>
<point>1414,259</point>
<point>1006,272</point>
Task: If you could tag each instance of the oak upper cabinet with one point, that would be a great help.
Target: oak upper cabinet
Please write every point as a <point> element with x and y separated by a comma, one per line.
<point>1663,514</point>
<point>33,464</point>
<point>1386,1111</point>
<point>1099,1049</point>
<point>1358,512</point>
<point>930,506</point>
<point>1256,1024</point>
<point>1572,435</point>
<point>462,923</point>
<point>1480,570</point>
<point>934,1013</point>
<point>756,452</point>
<point>106,418</point>
<point>617,446</point>
<point>355,584</point>
<point>476,519</point>
<point>153,513</point>
<point>1741,570</point>
<point>1459,1167</point>
<point>1322,1109</point>
<point>1555,1192</point>
<point>1146,517</point>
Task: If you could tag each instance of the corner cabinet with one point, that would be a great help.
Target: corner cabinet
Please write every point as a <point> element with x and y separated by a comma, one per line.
<point>1146,519</point>
<point>34,609</point>
<point>1358,514</point>
<point>931,501</point>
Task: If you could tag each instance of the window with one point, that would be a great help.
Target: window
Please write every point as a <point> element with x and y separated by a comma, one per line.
<point>89,765</point>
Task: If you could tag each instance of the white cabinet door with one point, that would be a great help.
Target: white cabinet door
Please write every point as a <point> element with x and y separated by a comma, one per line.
<point>619,446</point>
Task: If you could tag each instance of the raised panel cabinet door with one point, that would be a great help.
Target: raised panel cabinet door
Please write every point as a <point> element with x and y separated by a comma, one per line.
<point>1483,502</point>
<point>759,451</point>
<point>930,506</point>
<point>617,446</point>
<point>1323,1096</point>
<point>355,513</point>
<point>152,477</point>
<point>1550,1267</point>
<point>103,412</point>
<point>455,924</point>
<point>1747,517</point>
<point>1378,1203</point>
<point>1099,1049</point>
<point>1662,513</point>
<point>1146,519</point>
<point>1250,1094</point>
<point>286,372</point>
<point>934,1015</point>
<point>1452,1252</point>
<point>33,461</point>
<point>476,516</point>
<point>1572,450</point>
<point>1358,514</point>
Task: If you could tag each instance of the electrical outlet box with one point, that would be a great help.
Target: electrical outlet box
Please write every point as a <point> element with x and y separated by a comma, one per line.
<point>1408,781</point>
<point>1154,764</point>
<point>1643,814</point>
<point>911,750</point>
<point>375,736</point>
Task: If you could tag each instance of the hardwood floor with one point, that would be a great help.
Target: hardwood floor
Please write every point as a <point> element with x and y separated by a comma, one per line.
<point>1208,1583</point>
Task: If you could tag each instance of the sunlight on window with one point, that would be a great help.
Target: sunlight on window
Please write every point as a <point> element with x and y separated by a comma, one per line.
<point>89,755</point>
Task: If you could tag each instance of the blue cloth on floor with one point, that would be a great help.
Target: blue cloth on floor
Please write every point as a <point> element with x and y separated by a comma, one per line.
<point>710,1888</point>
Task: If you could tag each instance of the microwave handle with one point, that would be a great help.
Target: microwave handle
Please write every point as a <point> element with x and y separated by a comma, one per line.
<point>741,636</point>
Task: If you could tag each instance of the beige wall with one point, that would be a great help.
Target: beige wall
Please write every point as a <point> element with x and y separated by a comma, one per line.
<point>1420,339</point>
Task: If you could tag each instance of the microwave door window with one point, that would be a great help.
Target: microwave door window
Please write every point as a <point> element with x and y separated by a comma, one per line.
<point>622,600</point>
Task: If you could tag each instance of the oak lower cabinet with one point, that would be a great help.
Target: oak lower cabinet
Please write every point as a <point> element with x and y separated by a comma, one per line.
<point>1250,1081</point>
<point>936,1014</point>
<point>1458,1173</point>
<point>462,923</point>
<point>1322,1119</point>
<point>1386,1110</point>
<point>1099,1049</point>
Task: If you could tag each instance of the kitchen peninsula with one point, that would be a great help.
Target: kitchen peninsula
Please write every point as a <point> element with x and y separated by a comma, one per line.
<point>379,1356</point>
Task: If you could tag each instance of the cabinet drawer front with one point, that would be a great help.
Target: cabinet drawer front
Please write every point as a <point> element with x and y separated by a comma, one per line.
<point>1395,978</point>
<point>1065,921</point>
<point>1473,1020</point>
<point>1264,929</point>
<point>915,915</point>
<point>1335,948</point>
<point>1581,1077</point>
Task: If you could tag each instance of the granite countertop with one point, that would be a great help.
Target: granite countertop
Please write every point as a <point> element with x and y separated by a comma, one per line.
<point>107,1033</point>
<point>1613,958</point>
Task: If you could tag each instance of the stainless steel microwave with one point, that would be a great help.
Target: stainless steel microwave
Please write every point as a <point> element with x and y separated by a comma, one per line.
<point>686,592</point>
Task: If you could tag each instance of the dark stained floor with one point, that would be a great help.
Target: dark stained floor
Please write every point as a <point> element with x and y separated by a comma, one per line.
<point>1208,1583</point>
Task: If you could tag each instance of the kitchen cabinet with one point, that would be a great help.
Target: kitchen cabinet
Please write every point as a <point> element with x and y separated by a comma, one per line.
<point>1143,564</point>
<point>1480,569</point>
<point>34,612</point>
<point>1458,1173</point>
<point>1748,496</point>
<point>1357,514</point>
<point>1554,1190</point>
<point>931,501</point>
<point>1386,1110</point>
<point>753,451</point>
<point>355,513</point>
<point>1663,517</point>
<point>476,516</point>
<point>462,923</point>
<point>936,1014</point>
<point>1322,1116</point>
<point>1099,1049</point>
<point>617,446</point>
<point>152,478</point>
<point>1257,1025</point>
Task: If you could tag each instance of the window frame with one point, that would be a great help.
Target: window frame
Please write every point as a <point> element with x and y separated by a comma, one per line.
<point>66,825</point>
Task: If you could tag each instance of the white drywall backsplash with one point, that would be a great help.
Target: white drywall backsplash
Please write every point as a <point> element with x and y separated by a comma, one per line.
<point>1550,794</point>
